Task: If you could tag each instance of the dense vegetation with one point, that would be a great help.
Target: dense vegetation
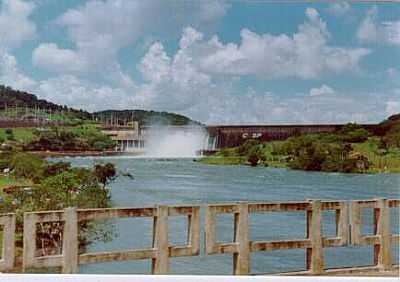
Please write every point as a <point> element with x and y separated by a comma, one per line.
<point>81,138</point>
<point>86,137</point>
<point>144,117</point>
<point>53,186</point>
<point>352,149</point>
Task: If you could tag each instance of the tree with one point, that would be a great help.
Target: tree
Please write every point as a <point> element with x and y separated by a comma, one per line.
<point>27,166</point>
<point>105,173</point>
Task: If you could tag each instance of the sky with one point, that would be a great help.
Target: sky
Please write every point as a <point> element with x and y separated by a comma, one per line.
<point>216,61</point>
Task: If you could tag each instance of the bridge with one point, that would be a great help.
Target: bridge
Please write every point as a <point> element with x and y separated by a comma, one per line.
<point>348,224</point>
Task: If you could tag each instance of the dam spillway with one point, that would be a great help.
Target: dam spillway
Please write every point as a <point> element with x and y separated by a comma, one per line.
<point>168,141</point>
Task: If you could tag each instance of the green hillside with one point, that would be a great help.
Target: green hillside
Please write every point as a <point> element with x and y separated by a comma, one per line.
<point>143,117</point>
<point>15,103</point>
<point>12,100</point>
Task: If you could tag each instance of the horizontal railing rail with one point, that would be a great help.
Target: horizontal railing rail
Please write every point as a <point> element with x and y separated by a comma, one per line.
<point>241,247</point>
<point>70,259</point>
<point>347,221</point>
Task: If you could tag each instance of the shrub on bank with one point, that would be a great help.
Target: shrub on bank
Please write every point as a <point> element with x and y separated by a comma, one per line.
<point>61,139</point>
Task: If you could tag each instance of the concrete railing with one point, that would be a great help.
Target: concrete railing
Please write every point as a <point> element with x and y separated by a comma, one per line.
<point>347,222</point>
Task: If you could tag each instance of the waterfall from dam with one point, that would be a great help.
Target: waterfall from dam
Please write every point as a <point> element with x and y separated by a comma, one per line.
<point>177,142</point>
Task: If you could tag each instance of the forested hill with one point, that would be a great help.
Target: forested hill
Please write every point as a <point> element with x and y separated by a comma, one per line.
<point>11,98</point>
<point>392,123</point>
<point>145,117</point>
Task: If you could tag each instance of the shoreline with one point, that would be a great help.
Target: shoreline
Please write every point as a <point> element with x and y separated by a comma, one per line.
<point>75,153</point>
<point>238,161</point>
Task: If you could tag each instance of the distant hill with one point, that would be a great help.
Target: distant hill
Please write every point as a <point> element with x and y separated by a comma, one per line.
<point>388,124</point>
<point>10,98</point>
<point>144,117</point>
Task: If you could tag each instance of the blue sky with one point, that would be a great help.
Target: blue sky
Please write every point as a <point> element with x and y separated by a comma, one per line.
<point>219,62</point>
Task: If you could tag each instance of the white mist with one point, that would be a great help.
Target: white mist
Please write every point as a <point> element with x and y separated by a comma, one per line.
<point>175,142</point>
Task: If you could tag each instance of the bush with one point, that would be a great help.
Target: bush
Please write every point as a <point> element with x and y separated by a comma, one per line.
<point>354,133</point>
<point>10,134</point>
<point>52,169</point>
<point>244,149</point>
<point>27,166</point>
<point>392,138</point>
<point>81,139</point>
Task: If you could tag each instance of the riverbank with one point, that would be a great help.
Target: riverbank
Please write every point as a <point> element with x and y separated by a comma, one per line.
<point>55,154</point>
<point>365,156</point>
<point>220,160</point>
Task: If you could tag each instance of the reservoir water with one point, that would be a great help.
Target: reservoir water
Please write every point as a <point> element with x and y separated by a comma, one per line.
<point>183,181</point>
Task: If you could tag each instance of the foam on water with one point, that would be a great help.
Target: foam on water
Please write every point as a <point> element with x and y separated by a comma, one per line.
<point>176,143</point>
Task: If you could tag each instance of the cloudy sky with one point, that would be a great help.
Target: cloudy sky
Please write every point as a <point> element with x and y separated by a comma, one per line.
<point>219,62</point>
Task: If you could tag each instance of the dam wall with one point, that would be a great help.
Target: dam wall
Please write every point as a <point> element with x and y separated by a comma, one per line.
<point>226,136</point>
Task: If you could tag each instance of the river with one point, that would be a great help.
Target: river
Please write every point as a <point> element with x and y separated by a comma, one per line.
<point>183,181</point>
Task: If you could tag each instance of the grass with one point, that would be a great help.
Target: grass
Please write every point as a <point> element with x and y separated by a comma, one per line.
<point>380,161</point>
<point>8,180</point>
<point>222,160</point>
<point>239,161</point>
<point>20,134</point>
<point>25,135</point>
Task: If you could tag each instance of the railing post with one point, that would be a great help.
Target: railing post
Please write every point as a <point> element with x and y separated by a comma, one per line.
<point>8,253</point>
<point>383,252</point>
<point>355,215</point>
<point>194,231</point>
<point>29,241</point>
<point>342,222</point>
<point>241,258</point>
<point>70,250</point>
<point>210,236</point>
<point>315,255</point>
<point>160,264</point>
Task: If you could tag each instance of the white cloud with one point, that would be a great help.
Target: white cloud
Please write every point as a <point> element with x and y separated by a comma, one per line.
<point>100,29</point>
<point>371,31</point>
<point>305,54</point>
<point>75,92</point>
<point>48,56</point>
<point>200,78</point>
<point>184,84</point>
<point>10,74</point>
<point>209,10</point>
<point>15,25</point>
<point>339,8</point>
<point>259,108</point>
<point>171,83</point>
<point>190,36</point>
<point>368,30</point>
<point>323,90</point>
<point>393,107</point>
<point>15,28</point>
<point>155,64</point>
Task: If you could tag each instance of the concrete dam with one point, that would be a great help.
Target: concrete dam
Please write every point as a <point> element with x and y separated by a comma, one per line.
<point>185,141</point>
<point>227,136</point>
